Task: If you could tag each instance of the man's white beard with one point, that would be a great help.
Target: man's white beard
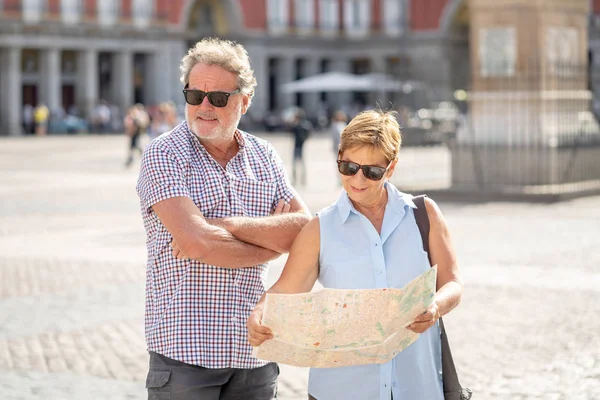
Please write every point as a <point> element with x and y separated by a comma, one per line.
<point>220,132</point>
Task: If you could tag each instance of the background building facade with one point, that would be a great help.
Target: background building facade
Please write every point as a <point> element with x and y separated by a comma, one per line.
<point>70,54</point>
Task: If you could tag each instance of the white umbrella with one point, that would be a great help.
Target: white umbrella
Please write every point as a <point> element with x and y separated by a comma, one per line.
<point>328,82</point>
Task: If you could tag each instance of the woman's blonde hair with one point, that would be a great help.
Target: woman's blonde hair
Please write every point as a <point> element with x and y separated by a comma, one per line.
<point>376,128</point>
<point>228,55</point>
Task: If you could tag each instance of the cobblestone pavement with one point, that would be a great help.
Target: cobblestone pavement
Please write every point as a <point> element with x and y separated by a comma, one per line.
<point>72,260</point>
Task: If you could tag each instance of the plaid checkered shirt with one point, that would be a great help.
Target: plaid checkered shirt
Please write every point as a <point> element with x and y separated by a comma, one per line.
<point>196,313</point>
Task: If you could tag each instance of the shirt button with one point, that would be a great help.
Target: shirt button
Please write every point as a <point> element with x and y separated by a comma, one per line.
<point>379,271</point>
<point>234,319</point>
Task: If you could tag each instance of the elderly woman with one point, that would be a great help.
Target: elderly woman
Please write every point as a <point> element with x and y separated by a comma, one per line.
<point>369,239</point>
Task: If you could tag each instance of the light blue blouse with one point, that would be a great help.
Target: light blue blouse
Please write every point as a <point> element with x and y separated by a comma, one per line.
<point>354,256</point>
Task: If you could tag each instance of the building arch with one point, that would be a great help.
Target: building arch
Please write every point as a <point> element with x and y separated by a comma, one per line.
<point>227,19</point>
<point>452,11</point>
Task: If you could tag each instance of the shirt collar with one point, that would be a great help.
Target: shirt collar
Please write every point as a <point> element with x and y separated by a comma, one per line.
<point>396,201</point>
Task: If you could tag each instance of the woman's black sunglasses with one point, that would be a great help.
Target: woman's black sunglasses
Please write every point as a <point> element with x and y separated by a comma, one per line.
<point>217,99</point>
<point>371,172</point>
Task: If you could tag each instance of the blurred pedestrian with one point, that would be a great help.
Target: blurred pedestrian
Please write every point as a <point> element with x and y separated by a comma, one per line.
<point>136,123</point>
<point>301,128</point>
<point>41,115</point>
<point>208,191</point>
<point>163,120</point>
<point>338,123</point>
<point>28,120</point>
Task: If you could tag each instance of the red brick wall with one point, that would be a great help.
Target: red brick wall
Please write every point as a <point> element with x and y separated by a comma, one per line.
<point>376,23</point>
<point>12,6</point>
<point>54,7</point>
<point>161,10</point>
<point>126,9</point>
<point>174,9</point>
<point>596,7</point>
<point>90,9</point>
<point>291,13</point>
<point>425,14</point>
<point>254,13</point>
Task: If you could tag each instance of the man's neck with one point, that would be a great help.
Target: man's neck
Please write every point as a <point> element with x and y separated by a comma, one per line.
<point>223,150</point>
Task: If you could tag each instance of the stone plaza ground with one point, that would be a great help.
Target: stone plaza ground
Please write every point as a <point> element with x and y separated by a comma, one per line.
<point>72,265</point>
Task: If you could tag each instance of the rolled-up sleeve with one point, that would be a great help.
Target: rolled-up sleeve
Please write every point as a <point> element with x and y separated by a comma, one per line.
<point>161,176</point>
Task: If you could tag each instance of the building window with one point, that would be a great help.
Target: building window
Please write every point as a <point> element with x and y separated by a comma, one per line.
<point>33,10</point>
<point>108,11</point>
<point>357,15</point>
<point>305,14</point>
<point>277,15</point>
<point>392,17</point>
<point>328,12</point>
<point>71,10</point>
<point>142,13</point>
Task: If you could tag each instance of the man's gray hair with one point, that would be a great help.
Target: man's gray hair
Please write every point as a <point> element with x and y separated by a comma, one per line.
<point>227,54</point>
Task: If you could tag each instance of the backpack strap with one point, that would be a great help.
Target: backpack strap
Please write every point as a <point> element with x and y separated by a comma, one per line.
<point>422,222</point>
<point>452,387</point>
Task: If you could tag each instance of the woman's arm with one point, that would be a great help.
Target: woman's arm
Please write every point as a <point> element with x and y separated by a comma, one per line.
<point>299,276</point>
<point>449,283</point>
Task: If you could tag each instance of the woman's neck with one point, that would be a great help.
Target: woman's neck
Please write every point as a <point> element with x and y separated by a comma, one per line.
<point>373,207</point>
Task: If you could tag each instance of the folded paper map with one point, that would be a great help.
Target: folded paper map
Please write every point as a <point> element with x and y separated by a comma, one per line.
<point>338,328</point>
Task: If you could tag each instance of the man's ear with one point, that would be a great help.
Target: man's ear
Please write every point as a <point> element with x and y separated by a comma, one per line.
<point>246,102</point>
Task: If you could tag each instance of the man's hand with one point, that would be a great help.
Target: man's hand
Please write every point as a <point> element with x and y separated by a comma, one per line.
<point>425,320</point>
<point>177,253</point>
<point>282,208</point>
<point>257,333</point>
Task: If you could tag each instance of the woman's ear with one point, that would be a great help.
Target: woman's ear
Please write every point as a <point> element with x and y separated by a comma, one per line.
<point>392,167</point>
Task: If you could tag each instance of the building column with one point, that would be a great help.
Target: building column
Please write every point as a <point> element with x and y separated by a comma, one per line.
<point>123,79</point>
<point>86,89</point>
<point>286,67</point>
<point>341,100</point>
<point>260,65</point>
<point>11,101</point>
<point>177,50</point>
<point>380,97</point>
<point>311,100</point>
<point>50,84</point>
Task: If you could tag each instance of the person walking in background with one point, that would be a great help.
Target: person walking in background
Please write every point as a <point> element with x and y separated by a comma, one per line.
<point>217,206</point>
<point>301,128</point>
<point>338,123</point>
<point>136,123</point>
<point>28,121</point>
<point>41,115</point>
<point>163,121</point>
<point>369,239</point>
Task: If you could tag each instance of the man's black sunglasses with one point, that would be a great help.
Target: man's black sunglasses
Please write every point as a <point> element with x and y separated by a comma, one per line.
<point>371,172</point>
<point>217,99</point>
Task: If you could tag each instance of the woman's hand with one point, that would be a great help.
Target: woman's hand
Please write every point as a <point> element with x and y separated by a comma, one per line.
<point>425,320</point>
<point>257,333</point>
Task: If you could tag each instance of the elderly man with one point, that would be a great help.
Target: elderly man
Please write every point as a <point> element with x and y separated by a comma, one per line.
<point>217,206</point>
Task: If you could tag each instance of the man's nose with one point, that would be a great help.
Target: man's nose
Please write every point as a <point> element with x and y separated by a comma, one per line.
<point>205,103</point>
